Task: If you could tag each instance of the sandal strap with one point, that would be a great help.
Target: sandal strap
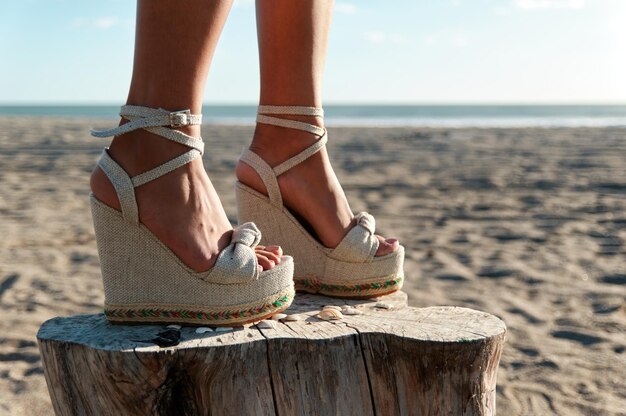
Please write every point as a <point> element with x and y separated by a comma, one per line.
<point>301,157</point>
<point>360,243</point>
<point>237,262</point>
<point>165,168</point>
<point>267,175</point>
<point>266,172</point>
<point>292,110</point>
<point>123,186</point>
<point>152,120</point>
<point>263,110</point>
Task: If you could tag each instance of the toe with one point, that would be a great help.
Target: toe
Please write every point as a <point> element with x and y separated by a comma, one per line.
<point>269,255</point>
<point>278,250</point>
<point>264,261</point>
<point>386,246</point>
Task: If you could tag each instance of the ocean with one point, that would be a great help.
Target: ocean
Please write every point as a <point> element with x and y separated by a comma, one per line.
<point>384,115</point>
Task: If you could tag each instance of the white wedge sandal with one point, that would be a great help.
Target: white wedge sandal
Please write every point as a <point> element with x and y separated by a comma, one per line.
<point>144,281</point>
<point>351,270</point>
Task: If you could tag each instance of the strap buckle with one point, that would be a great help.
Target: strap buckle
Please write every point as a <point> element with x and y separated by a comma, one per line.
<point>180,118</point>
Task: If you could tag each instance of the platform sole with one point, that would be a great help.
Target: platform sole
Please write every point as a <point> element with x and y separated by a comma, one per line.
<point>364,290</point>
<point>233,315</point>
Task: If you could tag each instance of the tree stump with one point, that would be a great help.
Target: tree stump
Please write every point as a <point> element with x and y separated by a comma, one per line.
<point>391,359</point>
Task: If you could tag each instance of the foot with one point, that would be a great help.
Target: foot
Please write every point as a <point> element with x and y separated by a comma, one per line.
<point>181,208</point>
<point>310,190</point>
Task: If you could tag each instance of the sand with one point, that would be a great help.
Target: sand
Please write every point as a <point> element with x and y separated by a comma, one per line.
<point>527,224</point>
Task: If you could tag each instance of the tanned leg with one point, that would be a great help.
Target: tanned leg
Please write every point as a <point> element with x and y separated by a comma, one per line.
<point>293,38</point>
<point>174,44</point>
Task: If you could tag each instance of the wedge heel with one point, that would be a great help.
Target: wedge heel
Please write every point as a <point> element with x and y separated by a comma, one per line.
<point>319,269</point>
<point>145,282</point>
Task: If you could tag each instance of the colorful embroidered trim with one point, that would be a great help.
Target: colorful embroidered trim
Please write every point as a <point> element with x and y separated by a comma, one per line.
<point>317,286</point>
<point>198,315</point>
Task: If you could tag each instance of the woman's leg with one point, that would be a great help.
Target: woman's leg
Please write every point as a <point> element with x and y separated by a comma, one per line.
<point>293,38</point>
<point>174,44</point>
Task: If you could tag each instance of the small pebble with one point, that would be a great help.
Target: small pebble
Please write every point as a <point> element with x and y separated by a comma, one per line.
<point>351,311</point>
<point>330,315</point>
<point>292,318</point>
<point>279,316</point>
<point>173,327</point>
<point>383,305</point>
<point>203,329</point>
<point>337,308</point>
<point>223,329</point>
<point>267,324</point>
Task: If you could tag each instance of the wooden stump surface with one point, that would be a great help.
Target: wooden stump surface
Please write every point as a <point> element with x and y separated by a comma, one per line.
<point>395,360</point>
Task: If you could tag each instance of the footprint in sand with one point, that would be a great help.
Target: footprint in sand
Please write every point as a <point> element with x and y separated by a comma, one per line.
<point>576,336</point>
<point>531,319</point>
<point>610,246</point>
<point>494,273</point>
<point>614,279</point>
<point>8,282</point>
<point>451,277</point>
<point>604,308</point>
<point>531,352</point>
<point>547,363</point>
<point>18,356</point>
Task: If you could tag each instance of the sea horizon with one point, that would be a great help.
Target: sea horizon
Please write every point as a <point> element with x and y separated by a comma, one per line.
<point>381,115</point>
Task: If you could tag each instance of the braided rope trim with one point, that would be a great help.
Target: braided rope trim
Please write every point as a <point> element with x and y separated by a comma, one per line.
<point>293,110</point>
<point>314,285</point>
<point>193,316</point>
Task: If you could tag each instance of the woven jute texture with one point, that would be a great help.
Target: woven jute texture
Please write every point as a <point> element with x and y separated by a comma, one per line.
<point>144,280</point>
<point>204,315</point>
<point>351,263</point>
<point>348,268</point>
<point>341,289</point>
<point>138,269</point>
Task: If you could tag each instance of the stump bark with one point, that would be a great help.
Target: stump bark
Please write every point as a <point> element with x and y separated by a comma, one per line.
<point>386,361</point>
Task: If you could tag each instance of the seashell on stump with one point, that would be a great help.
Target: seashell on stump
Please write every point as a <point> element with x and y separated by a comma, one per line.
<point>351,311</point>
<point>223,329</point>
<point>267,324</point>
<point>330,315</point>
<point>279,316</point>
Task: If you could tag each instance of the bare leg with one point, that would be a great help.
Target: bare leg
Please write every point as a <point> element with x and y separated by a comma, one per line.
<point>293,37</point>
<point>174,44</point>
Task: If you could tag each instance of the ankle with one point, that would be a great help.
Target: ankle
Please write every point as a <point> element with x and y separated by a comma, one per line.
<point>139,151</point>
<point>276,144</point>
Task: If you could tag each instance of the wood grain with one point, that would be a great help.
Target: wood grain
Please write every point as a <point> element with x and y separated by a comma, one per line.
<point>401,360</point>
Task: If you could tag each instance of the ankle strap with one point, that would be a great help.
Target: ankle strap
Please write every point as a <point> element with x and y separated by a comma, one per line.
<point>298,125</point>
<point>291,111</point>
<point>268,174</point>
<point>152,120</point>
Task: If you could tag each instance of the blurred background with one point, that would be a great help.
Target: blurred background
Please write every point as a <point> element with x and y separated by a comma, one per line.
<point>487,135</point>
<point>63,52</point>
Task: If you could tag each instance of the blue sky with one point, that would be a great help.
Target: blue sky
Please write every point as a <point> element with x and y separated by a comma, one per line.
<point>395,51</point>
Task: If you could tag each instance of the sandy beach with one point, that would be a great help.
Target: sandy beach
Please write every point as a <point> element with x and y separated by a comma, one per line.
<point>528,224</point>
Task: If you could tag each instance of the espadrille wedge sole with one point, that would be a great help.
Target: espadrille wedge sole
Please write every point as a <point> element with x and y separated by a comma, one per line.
<point>145,282</point>
<point>351,270</point>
